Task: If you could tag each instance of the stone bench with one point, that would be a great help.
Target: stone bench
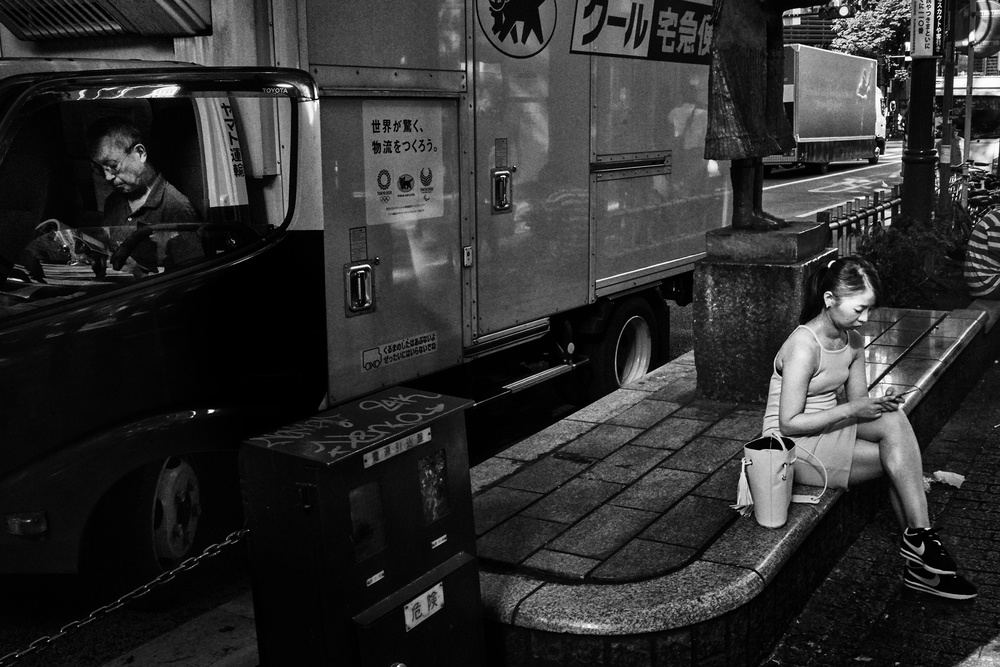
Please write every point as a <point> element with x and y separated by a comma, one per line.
<point>992,309</point>
<point>607,539</point>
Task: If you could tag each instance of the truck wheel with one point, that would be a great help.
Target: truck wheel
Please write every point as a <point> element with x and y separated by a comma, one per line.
<point>819,167</point>
<point>168,508</point>
<point>161,515</point>
<point>625,351</point>
<point>874,158</point>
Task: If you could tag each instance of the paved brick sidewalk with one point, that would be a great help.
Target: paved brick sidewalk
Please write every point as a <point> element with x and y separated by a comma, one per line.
<point>862,614</point>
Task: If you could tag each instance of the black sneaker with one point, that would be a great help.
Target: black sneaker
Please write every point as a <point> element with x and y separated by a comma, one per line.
<point>951,586</point>
<point>922,547</point>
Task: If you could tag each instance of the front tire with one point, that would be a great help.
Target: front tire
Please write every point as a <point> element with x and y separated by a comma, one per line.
<point>169,509</point>
<point>625,351</point>
<point>161,515</point>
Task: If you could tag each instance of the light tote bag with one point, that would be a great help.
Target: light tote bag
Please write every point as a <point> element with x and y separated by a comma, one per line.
<point>766,478</point>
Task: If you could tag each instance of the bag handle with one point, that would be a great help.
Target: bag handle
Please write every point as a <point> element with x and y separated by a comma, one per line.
<point>781,441</point>
<point>812,500</point>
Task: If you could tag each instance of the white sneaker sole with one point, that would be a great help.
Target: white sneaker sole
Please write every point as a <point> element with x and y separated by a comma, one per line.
<point>916,561</point>
<point>917,586</point>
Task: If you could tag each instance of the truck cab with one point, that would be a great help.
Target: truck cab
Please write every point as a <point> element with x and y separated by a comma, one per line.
<point>128,388</point>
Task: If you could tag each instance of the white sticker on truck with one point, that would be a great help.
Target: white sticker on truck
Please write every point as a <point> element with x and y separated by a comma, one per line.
<point>404,165</point>
<point>398,350</point>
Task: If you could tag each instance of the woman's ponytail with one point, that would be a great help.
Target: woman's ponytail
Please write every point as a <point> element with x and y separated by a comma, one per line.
<point>816,286</point>
<point>848,275</point>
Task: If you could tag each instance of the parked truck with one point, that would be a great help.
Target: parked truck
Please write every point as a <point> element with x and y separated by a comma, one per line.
<point>835,107</point>
<point>983,141</point>
<point>475,196</point>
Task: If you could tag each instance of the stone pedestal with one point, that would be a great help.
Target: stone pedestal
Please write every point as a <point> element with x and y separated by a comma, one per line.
<point>748,293</point>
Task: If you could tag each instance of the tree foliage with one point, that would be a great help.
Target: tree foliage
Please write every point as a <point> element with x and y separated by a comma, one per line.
<point>879,28</point>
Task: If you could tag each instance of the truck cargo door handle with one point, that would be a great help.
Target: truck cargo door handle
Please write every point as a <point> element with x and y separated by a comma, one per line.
<point>359,287</point>
<point>501,190</point>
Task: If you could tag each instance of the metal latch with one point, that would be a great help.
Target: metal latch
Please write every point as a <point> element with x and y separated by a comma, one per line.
<point>307,495</point>
<point>360,288</point>
<point>502,190</point>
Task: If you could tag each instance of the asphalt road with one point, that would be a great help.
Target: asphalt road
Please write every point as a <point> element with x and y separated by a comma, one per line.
<point>796,194</point>
<point>35,607</point>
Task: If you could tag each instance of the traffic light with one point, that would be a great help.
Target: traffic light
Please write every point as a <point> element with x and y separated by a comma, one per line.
<point>832,11</point>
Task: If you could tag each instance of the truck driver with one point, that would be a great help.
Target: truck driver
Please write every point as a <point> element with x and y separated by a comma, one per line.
<point>140,196</point>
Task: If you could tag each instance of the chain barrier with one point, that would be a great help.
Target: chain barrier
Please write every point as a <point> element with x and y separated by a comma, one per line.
<point>42,643</point>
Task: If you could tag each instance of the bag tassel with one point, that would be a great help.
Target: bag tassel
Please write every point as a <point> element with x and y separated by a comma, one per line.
<point>744,501</point>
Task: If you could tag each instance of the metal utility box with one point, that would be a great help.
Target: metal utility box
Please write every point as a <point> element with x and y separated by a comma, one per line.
<point>361,536</point>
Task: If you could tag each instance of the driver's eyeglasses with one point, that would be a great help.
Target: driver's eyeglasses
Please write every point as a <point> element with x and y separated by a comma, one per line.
<point>111,169</point>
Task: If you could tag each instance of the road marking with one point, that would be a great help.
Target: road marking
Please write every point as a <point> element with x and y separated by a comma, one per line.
<point>846,185</point>
<point>820,210</point>
<point>816,178</point>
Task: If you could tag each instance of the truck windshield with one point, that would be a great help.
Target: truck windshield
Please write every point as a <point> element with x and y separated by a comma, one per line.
<point>97,194</point>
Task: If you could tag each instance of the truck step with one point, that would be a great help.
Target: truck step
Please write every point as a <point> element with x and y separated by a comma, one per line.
<point>532,380</point>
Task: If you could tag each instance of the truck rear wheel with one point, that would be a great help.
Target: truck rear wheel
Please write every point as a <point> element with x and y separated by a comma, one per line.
<point>874,158</point>
<point>625,351</point>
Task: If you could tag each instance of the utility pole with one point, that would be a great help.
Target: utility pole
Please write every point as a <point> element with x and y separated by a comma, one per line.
<point>918,153</point>
<point>947,135</point>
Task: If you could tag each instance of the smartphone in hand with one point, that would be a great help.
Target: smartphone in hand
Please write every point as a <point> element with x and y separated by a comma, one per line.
<point>899,397</point>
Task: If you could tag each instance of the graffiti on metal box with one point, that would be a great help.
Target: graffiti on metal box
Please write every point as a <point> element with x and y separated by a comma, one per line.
<point>337,433</point>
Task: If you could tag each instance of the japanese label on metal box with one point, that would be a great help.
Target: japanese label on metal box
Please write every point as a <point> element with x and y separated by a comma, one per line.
<point>423,607</point>
<point>396,447</point>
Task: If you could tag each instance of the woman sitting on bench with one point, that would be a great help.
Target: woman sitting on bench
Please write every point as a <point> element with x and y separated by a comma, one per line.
<point>818,396</point>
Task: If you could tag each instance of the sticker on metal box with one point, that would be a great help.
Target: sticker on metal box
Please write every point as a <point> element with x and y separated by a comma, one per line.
<point>424,606</point>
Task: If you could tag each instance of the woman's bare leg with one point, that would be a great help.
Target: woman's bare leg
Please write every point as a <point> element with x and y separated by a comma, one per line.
<point>867,465</point>
<point>887,445</point>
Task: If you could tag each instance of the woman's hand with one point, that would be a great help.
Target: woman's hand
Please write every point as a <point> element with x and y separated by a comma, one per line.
<point>871,408</point>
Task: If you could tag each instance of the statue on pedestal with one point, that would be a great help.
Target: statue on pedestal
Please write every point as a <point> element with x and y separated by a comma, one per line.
<point>746,116</point>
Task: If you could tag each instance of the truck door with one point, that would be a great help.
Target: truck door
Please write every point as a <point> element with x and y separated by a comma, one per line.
<point>532,167</point>
<point>394,260</point>
<point>590,171</point>
<point>394,105</point>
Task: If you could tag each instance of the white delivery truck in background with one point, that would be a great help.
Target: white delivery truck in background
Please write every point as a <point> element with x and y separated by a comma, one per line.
<point>984,140</point>
<point>475,196</point>
<point>835,108</point>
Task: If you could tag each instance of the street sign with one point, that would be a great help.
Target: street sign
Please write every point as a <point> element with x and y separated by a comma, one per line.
<point>923,28</point>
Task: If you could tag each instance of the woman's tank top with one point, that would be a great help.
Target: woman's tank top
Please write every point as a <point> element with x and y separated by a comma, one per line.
<point>831,374</point>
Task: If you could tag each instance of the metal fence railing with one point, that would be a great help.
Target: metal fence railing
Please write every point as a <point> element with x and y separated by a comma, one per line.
<point>852,221</point>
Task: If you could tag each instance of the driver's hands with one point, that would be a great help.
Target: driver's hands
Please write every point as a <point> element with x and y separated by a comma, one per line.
<point>119,258</point>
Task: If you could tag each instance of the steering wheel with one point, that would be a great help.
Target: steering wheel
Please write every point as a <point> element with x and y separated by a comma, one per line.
<point>244,234</point>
